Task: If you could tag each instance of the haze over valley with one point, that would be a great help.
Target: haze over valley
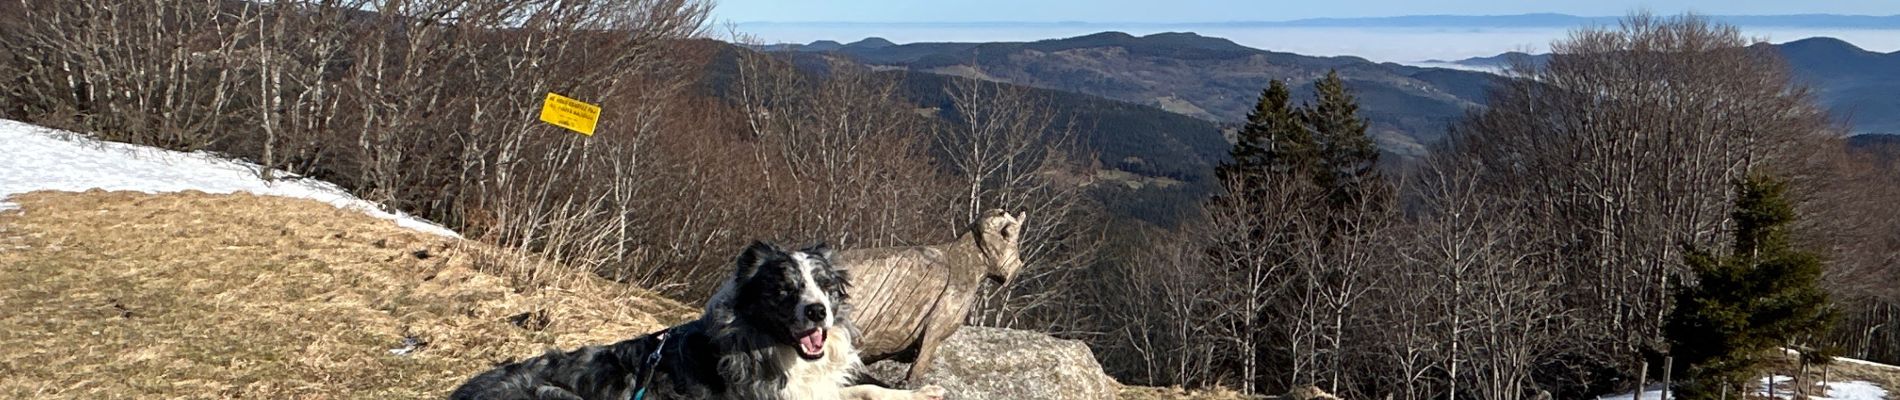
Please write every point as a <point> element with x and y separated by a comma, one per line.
<point>1411,40</point>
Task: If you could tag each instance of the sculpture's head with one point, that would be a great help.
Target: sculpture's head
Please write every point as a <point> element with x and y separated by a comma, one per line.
<point>998,236</point>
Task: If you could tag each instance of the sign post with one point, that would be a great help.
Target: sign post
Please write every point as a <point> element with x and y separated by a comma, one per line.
<point>565,112</point>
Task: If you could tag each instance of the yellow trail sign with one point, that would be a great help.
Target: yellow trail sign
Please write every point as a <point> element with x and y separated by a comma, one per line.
<point>565,112</point>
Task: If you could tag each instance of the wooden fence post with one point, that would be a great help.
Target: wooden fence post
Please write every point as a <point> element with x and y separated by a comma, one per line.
<point>1642,380</point>
<point>1669,365</point>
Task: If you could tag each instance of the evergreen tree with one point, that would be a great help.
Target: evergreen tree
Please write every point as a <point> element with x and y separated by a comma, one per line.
<point>1297,178</point>
<point>1273,145</point>
<point>1268,178</point>
<point>1761,296</point>
<point>1346,155</point>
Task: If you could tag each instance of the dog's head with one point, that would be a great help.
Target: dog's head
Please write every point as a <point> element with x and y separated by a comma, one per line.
<point>796,297</point>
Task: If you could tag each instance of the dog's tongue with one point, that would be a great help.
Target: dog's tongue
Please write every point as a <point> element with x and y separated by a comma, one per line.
<point>813,343</point>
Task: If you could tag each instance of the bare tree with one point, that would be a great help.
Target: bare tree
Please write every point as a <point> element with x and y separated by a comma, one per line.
<point>1162,323</point>
<point>1624,144</point>
<point>1006,146</point>
<point>1250,238</point>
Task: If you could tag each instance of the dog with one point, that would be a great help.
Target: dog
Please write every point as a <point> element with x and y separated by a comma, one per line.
<point>779,329</point>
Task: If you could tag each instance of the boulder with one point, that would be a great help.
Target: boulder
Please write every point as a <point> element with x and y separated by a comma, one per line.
<point>992,363</point>
<point>1307,392</point>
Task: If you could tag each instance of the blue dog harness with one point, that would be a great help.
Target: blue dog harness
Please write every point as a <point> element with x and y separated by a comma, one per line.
<point>653,362</point>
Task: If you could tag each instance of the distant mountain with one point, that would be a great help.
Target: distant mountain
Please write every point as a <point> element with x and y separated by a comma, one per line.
<point>1885,149</point>
<point>1568,21</point>
<point>1874,140</point>
<point>818,46</point>
<point>1205,77</point>
<point>1859,87</point>
<point>1498,62</point>
<point>1544,20</point>
<point>871,43</point>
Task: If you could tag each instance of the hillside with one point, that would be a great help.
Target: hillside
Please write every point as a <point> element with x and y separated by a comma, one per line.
<point>1154,164</point>
<point>1859,87</point>
<point>193,295</point>
<point>185,275</point>
<point>1128,137</point>
<point>1884,149</point>
<point>1205,77</point>
<point>163,290</point>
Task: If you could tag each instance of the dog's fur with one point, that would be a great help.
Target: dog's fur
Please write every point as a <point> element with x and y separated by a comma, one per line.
<point>754,342</point>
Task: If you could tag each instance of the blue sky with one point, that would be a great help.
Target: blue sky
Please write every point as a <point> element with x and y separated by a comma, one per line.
<point>1242,10</point>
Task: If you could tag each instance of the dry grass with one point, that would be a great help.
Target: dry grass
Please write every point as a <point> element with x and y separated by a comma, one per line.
<point>1175,393</point>
<point>122,295</point>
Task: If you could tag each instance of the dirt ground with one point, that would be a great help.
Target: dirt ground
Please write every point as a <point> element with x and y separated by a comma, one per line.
<point>122,295</point>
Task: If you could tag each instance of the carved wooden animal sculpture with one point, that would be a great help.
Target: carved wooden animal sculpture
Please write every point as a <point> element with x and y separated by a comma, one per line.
<point>909,299</point>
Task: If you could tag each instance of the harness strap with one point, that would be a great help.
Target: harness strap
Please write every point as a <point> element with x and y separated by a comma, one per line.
<point>652,363</point>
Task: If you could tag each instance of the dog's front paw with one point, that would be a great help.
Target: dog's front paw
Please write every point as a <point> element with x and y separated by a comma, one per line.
<point>929,392</point>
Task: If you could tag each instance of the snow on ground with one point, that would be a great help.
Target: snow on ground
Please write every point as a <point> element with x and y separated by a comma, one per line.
<point>1850,390</point>
<point>1855,390</point>
<point>1653,392</point>
<point>38,158</point>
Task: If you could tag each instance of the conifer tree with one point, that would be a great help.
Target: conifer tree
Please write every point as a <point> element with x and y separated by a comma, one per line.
<point>1745,305</point>
<point>1346,155</point>
<point>1267,181</point>
<point>1273,145</point>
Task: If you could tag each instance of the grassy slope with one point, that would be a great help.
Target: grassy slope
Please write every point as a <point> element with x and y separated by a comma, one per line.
<point>109,295</point>
<point>121,295</point>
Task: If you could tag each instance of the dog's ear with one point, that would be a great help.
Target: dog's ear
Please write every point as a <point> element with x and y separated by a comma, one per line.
<point>751,259</point>
<point>823,251</point>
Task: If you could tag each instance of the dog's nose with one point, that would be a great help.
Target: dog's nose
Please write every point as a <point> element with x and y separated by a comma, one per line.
<point>815,313</point>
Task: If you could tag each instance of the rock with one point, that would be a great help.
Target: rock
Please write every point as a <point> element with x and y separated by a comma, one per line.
<point>1308,392</point>
<point>992,363</point>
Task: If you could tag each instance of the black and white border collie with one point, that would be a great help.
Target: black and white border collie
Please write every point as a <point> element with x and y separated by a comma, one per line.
<point>778,329</point>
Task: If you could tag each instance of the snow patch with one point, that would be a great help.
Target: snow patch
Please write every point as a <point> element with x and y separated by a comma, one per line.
<point>1850,390</point>
<point>36,158</point>
<point>1855,390</point>
<point>1653,392</point>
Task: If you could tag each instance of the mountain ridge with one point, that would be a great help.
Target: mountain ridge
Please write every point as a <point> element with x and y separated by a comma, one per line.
<point>1810,20</point>
<point>1210,78</point>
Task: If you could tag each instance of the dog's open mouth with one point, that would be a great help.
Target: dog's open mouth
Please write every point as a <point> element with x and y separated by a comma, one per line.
<point>811,344</point>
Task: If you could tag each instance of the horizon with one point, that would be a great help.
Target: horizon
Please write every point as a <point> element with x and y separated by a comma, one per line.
<point>1274,21</point>
<point>1202,11</point>
<point>1407,39</point>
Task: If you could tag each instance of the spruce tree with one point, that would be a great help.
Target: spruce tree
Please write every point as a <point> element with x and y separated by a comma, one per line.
<point>1346,155</point>
<point>1745,305</point>
<point>1273,145</point>
<point>1273,156</point>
